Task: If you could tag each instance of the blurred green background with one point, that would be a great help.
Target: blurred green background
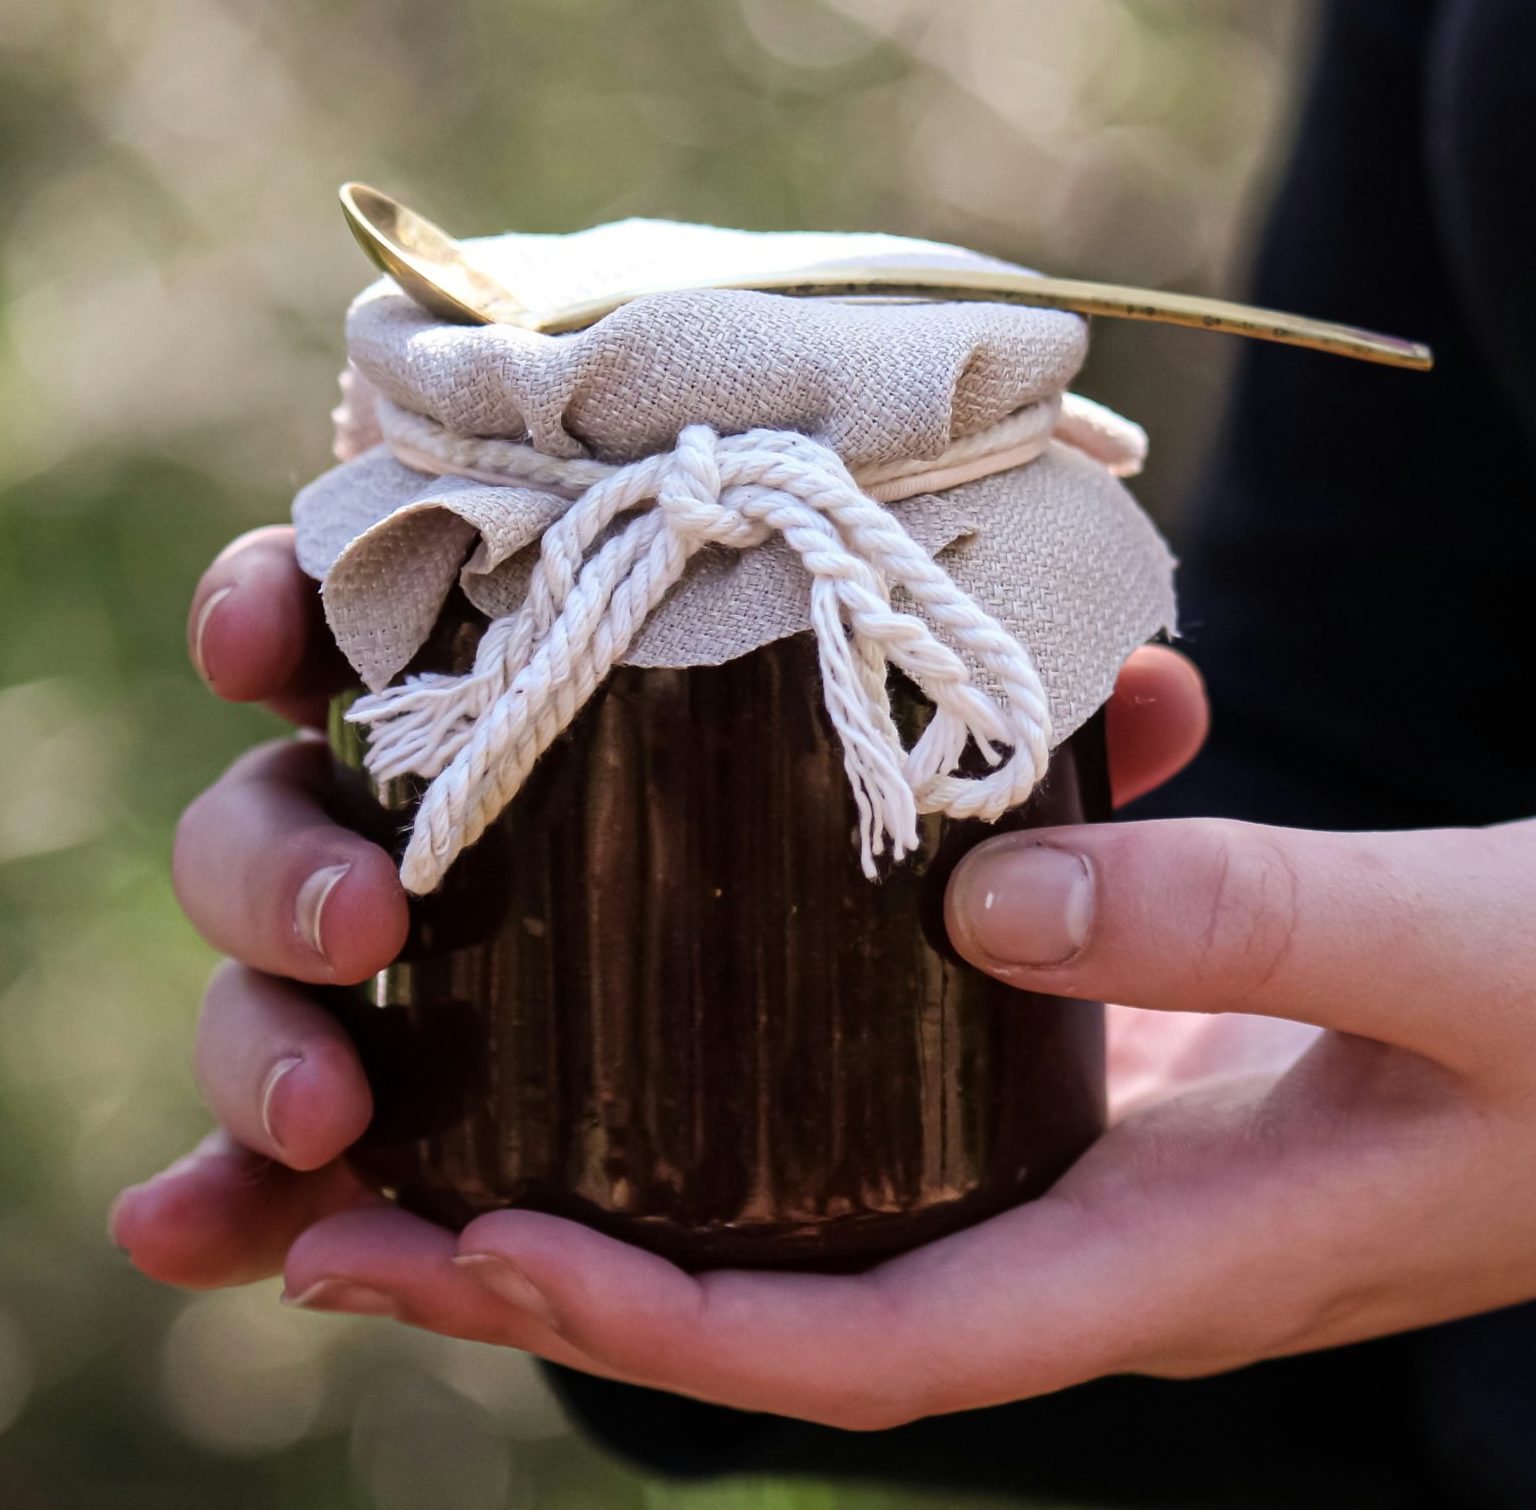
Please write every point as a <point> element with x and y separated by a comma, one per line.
<point>173,271</point>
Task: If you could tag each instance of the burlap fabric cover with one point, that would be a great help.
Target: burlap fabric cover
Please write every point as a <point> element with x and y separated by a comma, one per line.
<point>1057,550</point>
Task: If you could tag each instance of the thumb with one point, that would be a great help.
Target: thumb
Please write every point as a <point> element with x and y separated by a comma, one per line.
<point>1417,939</point>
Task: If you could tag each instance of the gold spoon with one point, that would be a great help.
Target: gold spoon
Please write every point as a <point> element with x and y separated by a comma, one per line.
<point>439,275</point>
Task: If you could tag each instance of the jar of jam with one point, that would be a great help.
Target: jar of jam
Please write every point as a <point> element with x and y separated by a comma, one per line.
<point>660,996</point>
<point>677,608</point>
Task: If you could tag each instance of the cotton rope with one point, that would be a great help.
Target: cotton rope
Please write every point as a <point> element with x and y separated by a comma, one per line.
<point>478,736</point>
<point>426,445</point>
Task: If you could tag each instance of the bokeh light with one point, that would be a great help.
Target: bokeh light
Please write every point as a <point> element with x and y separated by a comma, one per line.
<point>240,1376</point>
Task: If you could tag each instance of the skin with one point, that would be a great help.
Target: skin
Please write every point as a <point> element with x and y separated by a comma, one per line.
<point>1324,1083</point>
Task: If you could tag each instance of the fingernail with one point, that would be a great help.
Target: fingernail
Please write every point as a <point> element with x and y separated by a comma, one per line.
<point>507,1282</point>
<point>309,908</point>
<point>275,1077</point>
<point>343,1295</point>
<point>1018,903</point>
<point>204,618</point>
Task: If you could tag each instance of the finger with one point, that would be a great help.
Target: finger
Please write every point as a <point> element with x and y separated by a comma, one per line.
<point>622,1313</point>
<point>381,1261</point>
<point>224,1215</point>
<point>267,877</point>
<point>1112,1271</point>
<point>278,1072</point>
<point>1156,721</point>
<point>1372,934</point>
<point>932,1331</point>
<point>256,631</point>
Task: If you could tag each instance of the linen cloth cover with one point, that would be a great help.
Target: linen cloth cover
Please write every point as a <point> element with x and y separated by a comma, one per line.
<point>1056,550</point>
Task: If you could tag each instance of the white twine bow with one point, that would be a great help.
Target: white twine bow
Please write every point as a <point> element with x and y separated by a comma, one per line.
<point>478,736</point>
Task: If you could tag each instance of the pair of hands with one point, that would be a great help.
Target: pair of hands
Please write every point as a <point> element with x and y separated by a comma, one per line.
<point>1325,1093</point>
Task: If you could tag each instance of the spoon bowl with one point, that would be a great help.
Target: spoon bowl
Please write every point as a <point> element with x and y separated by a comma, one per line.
<point>428,264</point>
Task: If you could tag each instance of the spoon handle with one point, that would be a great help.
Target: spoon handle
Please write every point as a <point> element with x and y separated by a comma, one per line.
<point>995,287</point>
<point>434,269</point>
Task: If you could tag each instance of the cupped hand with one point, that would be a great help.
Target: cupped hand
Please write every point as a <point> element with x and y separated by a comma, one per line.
<point>1329,1094</point>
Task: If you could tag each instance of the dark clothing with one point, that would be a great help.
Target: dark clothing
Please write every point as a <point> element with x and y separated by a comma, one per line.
<point>1357,588</point>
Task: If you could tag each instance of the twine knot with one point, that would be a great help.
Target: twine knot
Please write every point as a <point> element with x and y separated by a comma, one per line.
<point>599,577</point>
<point>691,495</point>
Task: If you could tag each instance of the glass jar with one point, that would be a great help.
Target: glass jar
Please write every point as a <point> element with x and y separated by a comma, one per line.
<point>660,996</point>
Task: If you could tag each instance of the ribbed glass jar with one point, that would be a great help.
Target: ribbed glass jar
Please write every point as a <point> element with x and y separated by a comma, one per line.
<point>660,996</point>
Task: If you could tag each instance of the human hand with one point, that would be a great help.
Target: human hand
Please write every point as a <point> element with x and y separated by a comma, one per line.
<point>1313,1191</point>
<point>1377,1183</point>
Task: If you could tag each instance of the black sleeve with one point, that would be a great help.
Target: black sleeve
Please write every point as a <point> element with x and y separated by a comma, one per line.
<point>1356,588</point>
<point>1357,571</point>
